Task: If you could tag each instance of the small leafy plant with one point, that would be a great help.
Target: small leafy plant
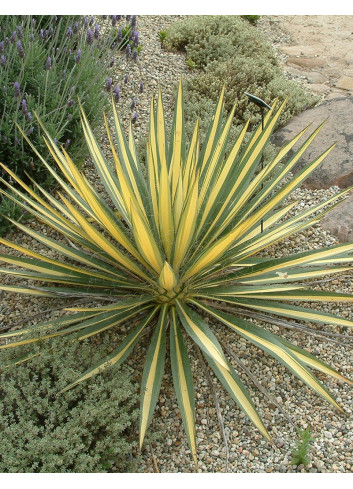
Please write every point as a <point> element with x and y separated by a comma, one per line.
<point>175,243</point>
<point>162,36</point>
<point>300,453</point>
<point>251,18</point>
<point>191,64</point>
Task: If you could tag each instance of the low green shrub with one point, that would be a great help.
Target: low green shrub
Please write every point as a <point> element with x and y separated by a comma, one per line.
<point>83,430</point>
<point>231,52</point>
<point>206,38</point>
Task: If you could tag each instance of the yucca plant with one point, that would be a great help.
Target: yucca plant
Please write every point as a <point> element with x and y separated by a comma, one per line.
<point>175,242</point>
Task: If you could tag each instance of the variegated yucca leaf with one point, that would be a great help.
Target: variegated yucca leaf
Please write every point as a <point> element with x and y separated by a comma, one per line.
<point>180,238</point>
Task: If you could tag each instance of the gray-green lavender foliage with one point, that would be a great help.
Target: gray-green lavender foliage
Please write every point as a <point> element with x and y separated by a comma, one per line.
<point>86,429</point>
<point>47,64</point>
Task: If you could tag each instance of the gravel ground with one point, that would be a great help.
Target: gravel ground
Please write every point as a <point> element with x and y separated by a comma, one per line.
<point>332,449</point>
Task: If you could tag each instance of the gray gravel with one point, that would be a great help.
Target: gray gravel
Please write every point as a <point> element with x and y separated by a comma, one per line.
<point>248,452</point>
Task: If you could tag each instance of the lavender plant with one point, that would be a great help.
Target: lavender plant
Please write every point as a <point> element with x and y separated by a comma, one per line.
<point>47,64</point>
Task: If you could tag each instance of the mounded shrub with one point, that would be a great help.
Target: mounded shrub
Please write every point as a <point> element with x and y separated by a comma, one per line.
<point>87,429</point>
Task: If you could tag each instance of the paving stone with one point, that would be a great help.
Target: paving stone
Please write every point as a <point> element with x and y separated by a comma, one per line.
<point>337,167</point>
<point>345,83</point>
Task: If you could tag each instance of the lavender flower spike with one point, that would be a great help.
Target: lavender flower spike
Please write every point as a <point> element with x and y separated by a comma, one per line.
<point>133,103</point>
<point>48,63</point>
<point>96,31</point>
<point>29,116</point>
<point>68,141</point>
<point>1,46</point>
<point>21,52</point>
<point>117,93</point>
<point>69,32</point>
<point>134,54</point>
<point>126,79</point>
<point>128,51</point>
<point>16,86</point>
<point>24,106</point>
<point>89,36</point>
<point>78,56</point>
<point>108,86</point>
<point>3,60</point>
<point>133,20</point>
<point>113,20</point>
<point>141,87</point>
<point>135,117</point>
<point>31,37</point>
<point>75,29</point>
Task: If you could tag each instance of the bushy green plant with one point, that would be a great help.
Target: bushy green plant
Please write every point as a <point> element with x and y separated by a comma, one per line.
<point>84,430</point>
<point>251,18</point>
<point>232,53</point>
<point>47,64</point>
<point>178,242</point>
<point>300,453</point>
<point>206,38</point>
<point>162,35</point>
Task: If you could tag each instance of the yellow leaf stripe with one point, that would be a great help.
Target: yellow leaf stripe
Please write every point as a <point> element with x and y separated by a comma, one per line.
<point>147,400</point>
<point>276,350</point>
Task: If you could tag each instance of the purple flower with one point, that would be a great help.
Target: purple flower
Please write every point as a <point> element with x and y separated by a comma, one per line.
<point>117,93</point>
<point>112,62</point>
<point>21,52</point>
<point>91,20</point>
<point>75,29</point>
<point>85,21</point>
<point>89,36</point>
<point>24,107</point>
<point>133,20</point>
<point>96,31</point>
<point>141,87</point>
<point>33,21</point>
<point>13,36</point>
<point>120,35</point>
<point>29,116</point>
<point>136,38</point>
<point>69,32</point>
<point>63,74</point>
<point>68,141</point>
<point>24,210</point>
<point>16,86</point>
<point>31,37</point>
<point>1,46</point>
<point>3,60</point>
<point>7,41</point>
<point>128,17</point>
<point>30,130</point>
<point>133,103</point>
<point>55,141</point>
<point>78,56</point>
<point>48,63</point>
<point>108,86</point>
<point>113,20</point>
<point>128,51</point>
<point>135,117</point>
<point>41,34</point>
<point>19,32</point>
<point>126,79</point>
<point>134,54</point>
<point>51,30</point>
<point>69,117</point>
